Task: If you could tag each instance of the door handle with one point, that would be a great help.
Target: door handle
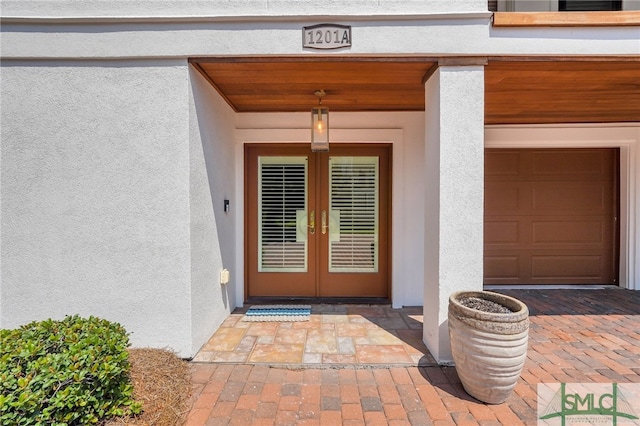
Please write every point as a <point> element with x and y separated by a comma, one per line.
<point>312,222</point>
<point>324,222</point>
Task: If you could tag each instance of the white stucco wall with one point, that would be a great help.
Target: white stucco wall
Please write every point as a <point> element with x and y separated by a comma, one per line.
<point>434,35</point>
<point>235,8</point>
<point>212,230</point>
<point>114,170</point>
<point>95,195</point>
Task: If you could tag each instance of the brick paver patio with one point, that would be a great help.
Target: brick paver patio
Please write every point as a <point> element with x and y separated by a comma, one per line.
<point>585,336</point>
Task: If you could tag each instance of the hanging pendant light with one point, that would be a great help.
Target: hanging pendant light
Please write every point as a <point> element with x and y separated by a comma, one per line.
<point>319,125</point>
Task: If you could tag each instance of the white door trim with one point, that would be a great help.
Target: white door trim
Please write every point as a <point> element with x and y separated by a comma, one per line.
<point>386,135</point>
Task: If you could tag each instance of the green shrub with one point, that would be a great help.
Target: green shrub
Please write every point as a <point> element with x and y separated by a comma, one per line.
<point>68,372</point>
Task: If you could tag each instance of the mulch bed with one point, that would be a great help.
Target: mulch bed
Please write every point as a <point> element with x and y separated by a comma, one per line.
<point>162,383</point>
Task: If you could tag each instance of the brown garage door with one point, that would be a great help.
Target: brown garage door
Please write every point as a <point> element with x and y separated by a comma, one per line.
<point>550,216</point>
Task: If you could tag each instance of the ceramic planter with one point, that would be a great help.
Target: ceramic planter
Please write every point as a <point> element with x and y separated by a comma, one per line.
<point>489,349</point>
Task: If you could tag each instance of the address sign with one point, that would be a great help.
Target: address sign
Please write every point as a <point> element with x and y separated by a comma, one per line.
<point>326,36</point>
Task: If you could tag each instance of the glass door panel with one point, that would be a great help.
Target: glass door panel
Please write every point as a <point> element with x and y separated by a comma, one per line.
<point>280,241</point>
<point>353,248</point>
<point>282,214</point>
<point>353,214</point>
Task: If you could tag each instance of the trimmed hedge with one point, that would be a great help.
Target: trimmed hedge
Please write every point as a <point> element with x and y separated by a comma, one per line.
<point>69,372</point>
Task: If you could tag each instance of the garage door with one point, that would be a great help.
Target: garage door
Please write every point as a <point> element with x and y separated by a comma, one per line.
<point>550,216</point>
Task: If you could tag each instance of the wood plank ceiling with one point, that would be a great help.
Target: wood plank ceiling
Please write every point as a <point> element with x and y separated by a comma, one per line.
<point>562,92</point>
<point>516,92</point>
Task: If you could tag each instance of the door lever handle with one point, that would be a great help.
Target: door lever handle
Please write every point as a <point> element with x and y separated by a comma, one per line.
<point>324,222</point>
<point>312,222</point>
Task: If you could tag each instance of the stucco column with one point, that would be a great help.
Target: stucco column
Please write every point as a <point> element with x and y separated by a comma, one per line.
<point>454,181</point>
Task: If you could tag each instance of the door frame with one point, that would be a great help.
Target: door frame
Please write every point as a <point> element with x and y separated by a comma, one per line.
<point>318,192</point>
<point>391,136</point>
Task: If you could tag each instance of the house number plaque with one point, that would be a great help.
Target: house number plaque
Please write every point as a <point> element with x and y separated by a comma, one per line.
<point>326,36</point>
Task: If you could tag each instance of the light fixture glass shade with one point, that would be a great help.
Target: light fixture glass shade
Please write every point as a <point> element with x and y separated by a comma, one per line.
<point>319,129</point>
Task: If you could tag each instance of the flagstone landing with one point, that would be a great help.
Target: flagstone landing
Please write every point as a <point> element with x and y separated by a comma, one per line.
<point>335,335</point>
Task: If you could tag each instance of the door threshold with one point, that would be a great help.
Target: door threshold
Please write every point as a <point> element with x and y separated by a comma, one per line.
<point>549,286</point>
<point>264,300</point>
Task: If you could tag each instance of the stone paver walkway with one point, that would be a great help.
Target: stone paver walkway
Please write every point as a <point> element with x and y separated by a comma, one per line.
<point>335,335</point>
<point>586,336</point>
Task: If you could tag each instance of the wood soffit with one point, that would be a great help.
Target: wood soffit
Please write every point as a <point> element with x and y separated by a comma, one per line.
<point>517,90</point>
<point>564,19</point>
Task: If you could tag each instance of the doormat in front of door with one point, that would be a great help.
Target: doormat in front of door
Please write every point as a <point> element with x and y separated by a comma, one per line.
<point>278,313</point>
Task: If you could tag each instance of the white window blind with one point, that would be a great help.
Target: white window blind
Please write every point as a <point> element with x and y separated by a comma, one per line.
<point>282,204</point>
<point>353,225</point>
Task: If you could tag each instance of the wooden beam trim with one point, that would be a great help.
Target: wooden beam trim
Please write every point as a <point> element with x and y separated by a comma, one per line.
<point>212,83</point>
<point>416,59</point>
<point>565,58</point>
<point>566,19</point>
<point>458,61</point>
<point>396,58</point>
<point>463,61</point>
<point>429,73</point>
